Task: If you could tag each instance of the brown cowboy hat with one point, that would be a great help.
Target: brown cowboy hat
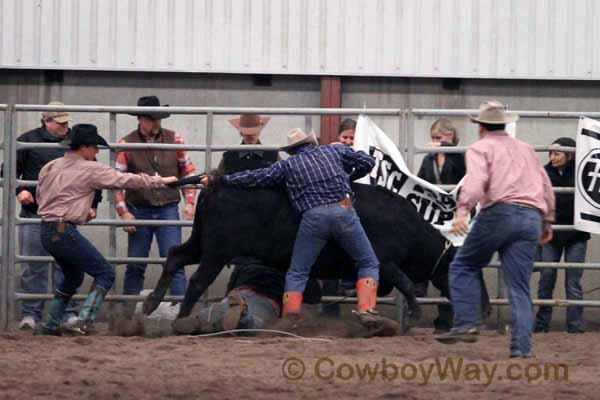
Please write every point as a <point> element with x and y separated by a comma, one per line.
<point>297,137</point>
<point>249,124</point>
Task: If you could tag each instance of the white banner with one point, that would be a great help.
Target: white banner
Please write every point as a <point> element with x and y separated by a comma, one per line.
<point>587,185</point>
<point>434,204</point>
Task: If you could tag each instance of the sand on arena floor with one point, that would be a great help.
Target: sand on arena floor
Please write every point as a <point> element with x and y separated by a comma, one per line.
<point>186,367</point>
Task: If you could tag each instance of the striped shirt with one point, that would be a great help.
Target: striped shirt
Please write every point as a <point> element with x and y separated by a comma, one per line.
<point>314,176</point>
<point>184,164</point>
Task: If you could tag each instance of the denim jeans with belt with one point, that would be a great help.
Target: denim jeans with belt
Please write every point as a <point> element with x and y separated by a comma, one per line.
<point>34,278</point>
<point>140,241</point>
<point>318,225</point>
<point>76,256</point>
<point>514,231</point>
<point>574,252</point>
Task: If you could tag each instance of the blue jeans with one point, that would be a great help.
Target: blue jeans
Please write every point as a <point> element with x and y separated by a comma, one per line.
<point>76,256</point>
<point>574,252</point>
<point>514,232</point>
<point>139,246</point>
<point>320,224</point>
<point>260,312</point>
<point>34,278</point>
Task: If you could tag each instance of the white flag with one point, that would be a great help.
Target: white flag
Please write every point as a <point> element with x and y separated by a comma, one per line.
<point>587,184</point>
<point>434,204</point>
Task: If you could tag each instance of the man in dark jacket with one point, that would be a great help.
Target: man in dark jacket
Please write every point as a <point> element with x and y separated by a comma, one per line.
<point>561,170</point>
<point>34,278</point>
<point>249,126</point>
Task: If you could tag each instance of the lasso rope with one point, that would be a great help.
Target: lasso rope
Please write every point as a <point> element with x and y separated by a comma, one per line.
<point>294,336</point>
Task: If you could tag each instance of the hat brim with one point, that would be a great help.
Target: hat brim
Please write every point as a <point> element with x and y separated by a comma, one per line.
<point>153,115</point>
<point>250,130</point>
<point>509,118</point>
<point>61,119</point>
<point>99,142</point>
<point>310,139</point>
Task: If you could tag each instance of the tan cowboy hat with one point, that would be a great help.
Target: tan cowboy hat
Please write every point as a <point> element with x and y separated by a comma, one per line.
<point>59,116</point>
<point>494,112</point>
<point>296,137</point>
<point>249,124</point>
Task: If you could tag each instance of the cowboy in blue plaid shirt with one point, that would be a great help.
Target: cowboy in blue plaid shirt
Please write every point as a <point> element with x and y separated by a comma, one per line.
<point>317,180</point>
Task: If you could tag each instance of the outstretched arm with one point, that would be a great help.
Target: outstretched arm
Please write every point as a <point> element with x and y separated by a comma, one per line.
<point>264,177</point>
<point>359,162</point>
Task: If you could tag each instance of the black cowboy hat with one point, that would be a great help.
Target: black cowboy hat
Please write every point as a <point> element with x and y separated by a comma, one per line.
<point>151,101</point>
<point>84,135</point>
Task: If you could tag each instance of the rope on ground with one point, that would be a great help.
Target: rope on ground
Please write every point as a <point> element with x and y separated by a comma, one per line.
<point>591,290</point>
<point>294,336</point>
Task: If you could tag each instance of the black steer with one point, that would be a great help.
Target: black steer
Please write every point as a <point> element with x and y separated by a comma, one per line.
<point>232,222</point>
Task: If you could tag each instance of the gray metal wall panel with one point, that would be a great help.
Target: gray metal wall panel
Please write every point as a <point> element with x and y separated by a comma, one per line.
<point>545,39</point>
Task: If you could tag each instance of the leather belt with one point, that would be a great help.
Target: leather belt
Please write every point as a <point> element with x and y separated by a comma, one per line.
<point>346,203</point>
<point>60,225</point>
<point>524,205</point>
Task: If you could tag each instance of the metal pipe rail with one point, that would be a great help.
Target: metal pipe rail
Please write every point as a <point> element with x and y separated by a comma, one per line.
<point>405,117</point>
<point>430,112</point>
<point>212,110</point>
<point>563,189</point>
<point>463,149</point>
<point>117,222</point>
<point>156,146</point>
<point>19,258</point>
<point>331,299</point>
<point>162,260</point>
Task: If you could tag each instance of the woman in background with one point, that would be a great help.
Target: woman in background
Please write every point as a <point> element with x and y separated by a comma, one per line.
<point>441,169</point>
<point>561,170</point>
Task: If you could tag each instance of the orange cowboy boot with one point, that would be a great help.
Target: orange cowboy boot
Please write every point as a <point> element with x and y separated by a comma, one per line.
<point>366,291</point>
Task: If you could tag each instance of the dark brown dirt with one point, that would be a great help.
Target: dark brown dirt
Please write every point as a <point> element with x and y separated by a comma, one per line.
<point>185,367</point>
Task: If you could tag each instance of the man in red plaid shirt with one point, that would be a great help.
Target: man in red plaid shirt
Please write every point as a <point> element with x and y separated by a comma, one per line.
<point>157,204</point>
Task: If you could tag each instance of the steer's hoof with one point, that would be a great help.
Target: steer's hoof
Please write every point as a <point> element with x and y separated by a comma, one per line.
<point>151,303</point>
<point>414,315</point>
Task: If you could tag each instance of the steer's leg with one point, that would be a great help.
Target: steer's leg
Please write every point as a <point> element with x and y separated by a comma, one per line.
<point>203,277</point>
<point>179,257</point>
<point>391,274</point>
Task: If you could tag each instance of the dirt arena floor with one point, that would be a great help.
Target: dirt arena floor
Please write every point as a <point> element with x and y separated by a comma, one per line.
<point>414,366</point>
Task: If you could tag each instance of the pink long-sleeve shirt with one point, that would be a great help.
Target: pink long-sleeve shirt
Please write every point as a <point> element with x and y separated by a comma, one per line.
<point>66,186</point>
<point>501,169</point>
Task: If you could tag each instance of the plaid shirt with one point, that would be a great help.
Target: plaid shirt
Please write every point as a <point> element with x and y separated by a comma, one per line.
<point>184,164</point>
<point>314,176</point>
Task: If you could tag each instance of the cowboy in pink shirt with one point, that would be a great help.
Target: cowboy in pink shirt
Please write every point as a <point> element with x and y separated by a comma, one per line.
<point>517,206</point>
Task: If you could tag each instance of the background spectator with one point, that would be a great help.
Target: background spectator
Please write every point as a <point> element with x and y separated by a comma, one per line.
<point>561,170</point>
<point>441,169</point>
<point>249,126</point>
<point>153,204</point>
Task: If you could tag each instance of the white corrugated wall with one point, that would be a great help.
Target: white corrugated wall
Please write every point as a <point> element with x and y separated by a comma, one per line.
<point>532,39</point>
